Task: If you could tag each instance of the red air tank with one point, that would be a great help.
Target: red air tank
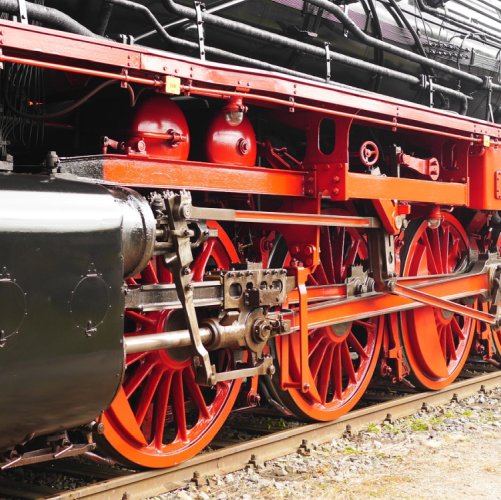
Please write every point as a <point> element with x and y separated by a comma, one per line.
<point>159,128</point>
<point>229,141</point>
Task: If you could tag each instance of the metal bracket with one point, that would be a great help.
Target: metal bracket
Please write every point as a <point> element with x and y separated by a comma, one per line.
<point>327,62</point>
<point>200,9</point>
<point>382,256</point>
<point>487,85</point>
<point>263,367</point>
<point>244,289</point>
<point>46,454</point>
<point>23,11</point>
<point>359,282</point>
<point>427,84</point>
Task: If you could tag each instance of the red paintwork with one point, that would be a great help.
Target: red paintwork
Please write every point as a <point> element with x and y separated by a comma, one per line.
<point>427,167</point>
<point>231,144</point>
<point>156,119</point>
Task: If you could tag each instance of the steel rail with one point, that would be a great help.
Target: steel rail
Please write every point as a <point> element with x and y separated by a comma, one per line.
<point>142,484</point>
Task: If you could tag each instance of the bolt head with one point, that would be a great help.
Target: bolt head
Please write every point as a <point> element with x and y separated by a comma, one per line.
<point>186,211</point>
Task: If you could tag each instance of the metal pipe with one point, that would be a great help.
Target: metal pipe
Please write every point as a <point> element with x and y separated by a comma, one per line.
<point>49,16</point>
<point>164,340</point>
<point>404,53</point>
<point>104,18</point>
<point>217,8</point>
<point>472,6</point>
<point>452,19</point>
<point>172,6</point>
<point>172,40</point>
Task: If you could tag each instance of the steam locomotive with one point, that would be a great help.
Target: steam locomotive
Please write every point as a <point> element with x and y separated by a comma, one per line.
<point>205,206</point>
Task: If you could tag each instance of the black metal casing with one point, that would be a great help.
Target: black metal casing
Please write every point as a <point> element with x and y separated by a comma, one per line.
<point>61,304</point>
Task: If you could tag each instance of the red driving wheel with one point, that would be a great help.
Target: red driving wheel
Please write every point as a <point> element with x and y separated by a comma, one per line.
<point>436,342</point>
<point>341,358</point>
<point>161,416</point>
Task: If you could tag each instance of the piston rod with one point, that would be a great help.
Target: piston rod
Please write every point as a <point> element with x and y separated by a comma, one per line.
<point>213,336</point>
<point>164,340</point>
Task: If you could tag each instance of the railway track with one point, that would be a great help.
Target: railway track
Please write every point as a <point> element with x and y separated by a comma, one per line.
<point>114,483</point>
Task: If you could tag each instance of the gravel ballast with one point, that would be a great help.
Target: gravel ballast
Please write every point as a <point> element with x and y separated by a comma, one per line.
<point>452,451</point>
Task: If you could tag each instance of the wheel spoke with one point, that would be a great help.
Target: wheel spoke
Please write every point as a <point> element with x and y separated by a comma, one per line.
<point>356,345</point>
<point>133,383</point>
<point>451,347</point>
<point>457,329</point>
<point>179,406</point>
<point>134,358</point>
<point>430,257</point>
<point>338,254</point>
<point>445,248</point>
<point>320,276</point>
<point>198,267</point>
<point>348,363</point>
<point>196,392</point>
<point>312,281</point>
<point>325,373</point>
<point>327,255</point>
<point>437,250</point>
<point>160,414</point>
<point>337,373</point>
<point>149,275</point>
<point>316,338</point>
<point>365,324</point>
<point>148,322</point>
<point>163,274</point>
<point>317,359</point>
<point>351,256</point>
<point>443,340</point>
<point>148,394</point>
<point>454,254</point>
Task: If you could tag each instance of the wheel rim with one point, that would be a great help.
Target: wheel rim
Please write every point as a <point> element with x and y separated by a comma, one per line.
<point>436,342</point>
<point>341,358</point>
<point>161,416</point>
